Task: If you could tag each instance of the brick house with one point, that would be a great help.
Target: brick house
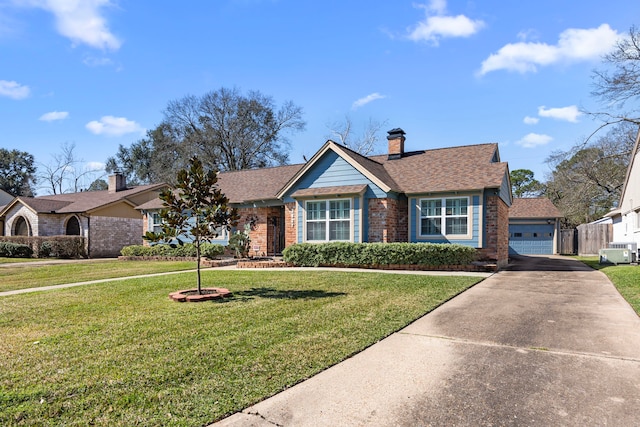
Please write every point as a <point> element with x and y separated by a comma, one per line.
<point>107,219</point>
<point>447,195</point>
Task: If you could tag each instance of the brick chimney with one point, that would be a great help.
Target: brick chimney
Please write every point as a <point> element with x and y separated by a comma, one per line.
<point>396,143</point>
<point>117,182</point>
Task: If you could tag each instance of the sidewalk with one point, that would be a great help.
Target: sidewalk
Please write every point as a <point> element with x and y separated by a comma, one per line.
<point>548,342</point>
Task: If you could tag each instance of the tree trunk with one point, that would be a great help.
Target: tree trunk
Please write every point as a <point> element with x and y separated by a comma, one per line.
<point>198,267</point>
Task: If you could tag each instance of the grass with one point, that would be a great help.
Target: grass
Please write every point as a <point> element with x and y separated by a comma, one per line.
<point>5,260</point>
<point>121,353</point>
<point>626,279</point>
<point>35,276</point>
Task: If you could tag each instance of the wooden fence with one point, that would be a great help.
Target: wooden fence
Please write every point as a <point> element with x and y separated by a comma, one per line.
<point>593,237</point>
<point>587,239</point>
<point>568,241</point>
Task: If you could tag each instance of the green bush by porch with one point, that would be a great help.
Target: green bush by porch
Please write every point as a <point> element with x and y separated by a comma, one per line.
<point>367,254</point>
<point>209,250</point>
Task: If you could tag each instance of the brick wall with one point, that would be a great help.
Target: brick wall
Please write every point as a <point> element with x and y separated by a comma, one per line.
<point>108,235</point>
<point>19,210</point>
<point>388,220</point>
<point>496,227</point>
<point>290,224</point>
<point>262,233</point>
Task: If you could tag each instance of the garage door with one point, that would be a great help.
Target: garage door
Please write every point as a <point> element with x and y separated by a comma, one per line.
<point>530,239</point>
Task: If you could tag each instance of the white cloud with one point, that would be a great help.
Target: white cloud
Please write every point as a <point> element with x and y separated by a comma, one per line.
<point>570,113</point>
<point>94,166</point>
<point>367,99</point>
<point>113,126</point>
<point>53,116</point>
<point>573,45</point>
<point>97,62</point>
<point>533,140</point>
<point>531,120</point>
<point>13,89</point>
<point>437,25</point>
<point>80,20</point>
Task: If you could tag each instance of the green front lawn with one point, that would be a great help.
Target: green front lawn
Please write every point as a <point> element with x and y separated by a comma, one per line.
<point>626,279</point>
<point>35,276</point>
<point>5,260</point>
<point>122,353</point>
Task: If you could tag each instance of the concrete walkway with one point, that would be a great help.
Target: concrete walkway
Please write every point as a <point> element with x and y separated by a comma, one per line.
<point>547,342</point>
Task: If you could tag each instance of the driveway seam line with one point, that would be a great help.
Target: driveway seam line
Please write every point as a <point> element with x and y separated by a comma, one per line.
<point>536,349</point>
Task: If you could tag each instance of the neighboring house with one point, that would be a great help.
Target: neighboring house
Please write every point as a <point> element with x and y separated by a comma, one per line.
<point>626,218</point>
<point>107,219</point>
<point>5,199</point>
<point>447,195</point>
<point>534,227</point>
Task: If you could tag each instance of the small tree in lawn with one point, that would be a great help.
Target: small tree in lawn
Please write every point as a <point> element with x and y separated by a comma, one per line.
<point>195,210</point>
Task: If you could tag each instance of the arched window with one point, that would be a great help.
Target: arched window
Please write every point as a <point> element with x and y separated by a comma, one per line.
<point>73,227</point>
<point>21,227</point>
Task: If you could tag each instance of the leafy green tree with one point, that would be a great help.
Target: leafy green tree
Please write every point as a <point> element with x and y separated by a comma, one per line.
<point>523,184</point>
<point>17,172</point>
<point>196,210</point>
<point>98,184</point>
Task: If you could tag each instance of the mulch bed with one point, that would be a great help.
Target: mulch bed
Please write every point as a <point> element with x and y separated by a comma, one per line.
<point>192,295</point>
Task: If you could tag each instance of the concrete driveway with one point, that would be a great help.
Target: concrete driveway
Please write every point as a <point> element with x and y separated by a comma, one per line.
<point>546,342</point>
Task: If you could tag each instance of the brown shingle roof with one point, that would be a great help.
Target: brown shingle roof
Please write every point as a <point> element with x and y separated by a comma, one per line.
<point>84,201</point>
<point>469,167</point>
<point>539,207</point>
<point>255,184</point>
<point>324,191</point>
<point>463,168</point>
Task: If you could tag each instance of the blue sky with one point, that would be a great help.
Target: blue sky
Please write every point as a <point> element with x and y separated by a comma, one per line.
<point>98,73</point>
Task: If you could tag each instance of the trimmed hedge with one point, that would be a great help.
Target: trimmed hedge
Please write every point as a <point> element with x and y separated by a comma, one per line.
<point>52,246</point>
<point>15,250</point>
<point>367,254</point>
<point>207,250</point>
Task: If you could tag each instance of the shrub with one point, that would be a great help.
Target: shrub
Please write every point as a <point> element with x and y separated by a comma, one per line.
<point>240,242</point>
<point>367,254</point>
<point>208,250</point>
<point>15,250</point>
<point>211,250</point>
<point>52,246</point>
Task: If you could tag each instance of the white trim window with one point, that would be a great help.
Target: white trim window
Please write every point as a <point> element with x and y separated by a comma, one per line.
<point>328,220</point>
<point>156,222</point>
<point>444,216</point>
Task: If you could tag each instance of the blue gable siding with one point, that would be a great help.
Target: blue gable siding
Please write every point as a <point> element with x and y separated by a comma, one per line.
<point>475,222</point>
<point>505,191</point>
<point>332,170</point>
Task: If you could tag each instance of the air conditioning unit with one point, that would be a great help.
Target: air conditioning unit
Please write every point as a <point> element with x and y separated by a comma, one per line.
<point>632,246</point>
<point>616,256</point>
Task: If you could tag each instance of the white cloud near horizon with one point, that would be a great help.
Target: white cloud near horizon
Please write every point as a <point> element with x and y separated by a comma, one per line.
<point>14,90</point>
<point>53,116</point>
<point>569,114</point>
<point>94,166</point>
<point>528,120</point>
<point>113,126</point>
<point>437,24</point>
<point>365,100</point>
<point>533,140</point>
<point>574,45</point>
<point>81,21</point>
